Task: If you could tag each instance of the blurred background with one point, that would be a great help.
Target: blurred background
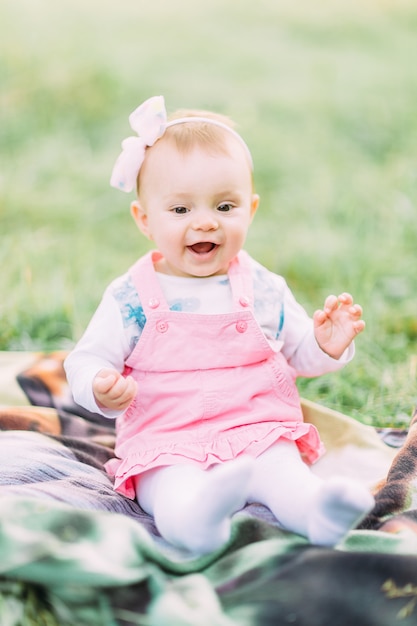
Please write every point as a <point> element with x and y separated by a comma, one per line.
<point>325,93</point>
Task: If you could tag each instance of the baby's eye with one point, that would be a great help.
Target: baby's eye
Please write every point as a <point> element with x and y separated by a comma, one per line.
<point>225,206</point>
<point>180,210</point>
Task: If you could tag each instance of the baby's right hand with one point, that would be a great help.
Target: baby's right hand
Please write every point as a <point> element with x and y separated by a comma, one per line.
<point>112,390</point>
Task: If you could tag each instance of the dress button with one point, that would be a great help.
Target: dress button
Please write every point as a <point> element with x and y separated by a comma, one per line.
<point>244,301</point>
<point>162,327</point>
<point>241,326</point>
<point>154,303</point>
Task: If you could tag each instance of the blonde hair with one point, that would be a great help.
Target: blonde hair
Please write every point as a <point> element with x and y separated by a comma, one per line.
<point>202,133</point>
<point>199,133</point>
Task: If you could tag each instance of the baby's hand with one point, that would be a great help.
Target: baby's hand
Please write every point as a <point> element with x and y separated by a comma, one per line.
<point>113,391</point>
<point>337,324</point>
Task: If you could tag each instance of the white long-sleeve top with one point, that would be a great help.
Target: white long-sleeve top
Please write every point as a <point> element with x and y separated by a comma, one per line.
<point>118,322</point>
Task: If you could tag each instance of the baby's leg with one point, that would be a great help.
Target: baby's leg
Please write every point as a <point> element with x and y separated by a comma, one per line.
<point>192,507</point>
<point>322,511</point>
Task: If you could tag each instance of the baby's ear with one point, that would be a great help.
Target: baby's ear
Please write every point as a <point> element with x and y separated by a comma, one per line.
<point>139,215</point>
<point>254,205</point>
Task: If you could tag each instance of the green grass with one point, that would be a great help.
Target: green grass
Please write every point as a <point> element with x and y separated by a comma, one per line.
<point>325,94</point>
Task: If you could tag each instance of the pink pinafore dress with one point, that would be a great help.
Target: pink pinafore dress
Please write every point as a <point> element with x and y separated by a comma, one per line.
<point>210,387</point>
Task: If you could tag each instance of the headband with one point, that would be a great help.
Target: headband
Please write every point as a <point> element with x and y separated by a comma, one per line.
<point>149,121</point>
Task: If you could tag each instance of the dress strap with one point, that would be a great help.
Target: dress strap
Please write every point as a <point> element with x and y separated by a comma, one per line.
<point>241,281</point>
<point>147,284</point>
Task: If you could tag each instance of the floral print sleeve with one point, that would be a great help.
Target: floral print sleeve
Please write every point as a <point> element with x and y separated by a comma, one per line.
<point>131,310</point>
<point>269,296</point>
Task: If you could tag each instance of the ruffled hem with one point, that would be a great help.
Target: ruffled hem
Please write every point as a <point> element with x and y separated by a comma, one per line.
<point>221,450</point>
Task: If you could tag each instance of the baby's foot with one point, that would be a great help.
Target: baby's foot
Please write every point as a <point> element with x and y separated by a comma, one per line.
<point>339,506</point>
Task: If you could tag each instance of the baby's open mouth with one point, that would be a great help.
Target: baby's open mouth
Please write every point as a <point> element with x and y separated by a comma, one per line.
<point>203,247</point>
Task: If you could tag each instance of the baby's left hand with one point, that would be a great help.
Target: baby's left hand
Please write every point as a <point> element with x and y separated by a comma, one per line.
<point>337,324</point>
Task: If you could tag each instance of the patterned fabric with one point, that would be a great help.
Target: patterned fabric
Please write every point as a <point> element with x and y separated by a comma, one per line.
<point>72,551</point>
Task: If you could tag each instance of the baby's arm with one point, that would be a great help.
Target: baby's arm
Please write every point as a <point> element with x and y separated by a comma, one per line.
<point>337,324</point>
<point>97,350</point>
<point>112,390</point>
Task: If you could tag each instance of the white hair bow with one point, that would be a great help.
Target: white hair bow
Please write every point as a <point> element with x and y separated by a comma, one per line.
<point>149,122</point>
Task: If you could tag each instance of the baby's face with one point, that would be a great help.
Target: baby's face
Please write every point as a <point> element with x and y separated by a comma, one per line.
<point>196,207</point>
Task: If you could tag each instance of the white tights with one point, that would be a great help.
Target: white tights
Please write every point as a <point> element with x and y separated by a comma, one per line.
<point>192,508</point>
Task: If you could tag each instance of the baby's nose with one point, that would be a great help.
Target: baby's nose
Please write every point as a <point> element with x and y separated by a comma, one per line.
<point>205,221</point>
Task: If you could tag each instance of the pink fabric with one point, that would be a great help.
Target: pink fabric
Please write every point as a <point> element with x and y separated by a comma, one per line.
<point>211,387</point>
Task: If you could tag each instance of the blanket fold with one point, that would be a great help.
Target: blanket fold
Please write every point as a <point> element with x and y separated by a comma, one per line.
<point>83,554</point>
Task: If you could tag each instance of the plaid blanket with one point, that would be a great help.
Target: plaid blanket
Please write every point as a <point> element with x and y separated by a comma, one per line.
<point>74,552</point>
